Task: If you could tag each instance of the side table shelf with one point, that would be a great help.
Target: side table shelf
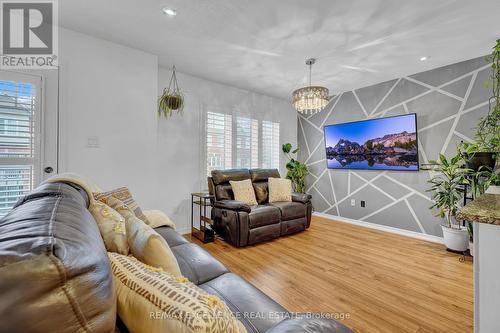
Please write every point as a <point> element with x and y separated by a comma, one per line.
<point>202,230</point>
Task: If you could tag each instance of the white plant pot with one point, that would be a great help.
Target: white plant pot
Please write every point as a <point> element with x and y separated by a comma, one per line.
<point>471,248</point>
<point>456,239</point>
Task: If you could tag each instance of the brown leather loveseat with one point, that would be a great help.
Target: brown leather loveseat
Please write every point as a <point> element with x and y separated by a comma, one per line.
<point>240,224</point>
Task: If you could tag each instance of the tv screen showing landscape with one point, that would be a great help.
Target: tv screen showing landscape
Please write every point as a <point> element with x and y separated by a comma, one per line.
<point>376,144</point>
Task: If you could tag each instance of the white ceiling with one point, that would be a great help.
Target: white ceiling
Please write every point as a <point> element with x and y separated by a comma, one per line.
<point>261,45</point>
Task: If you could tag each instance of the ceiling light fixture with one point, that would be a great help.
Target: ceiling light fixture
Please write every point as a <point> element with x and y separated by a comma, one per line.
<point>311,99</point>
<point>169,11</point>
<point>424,58</point>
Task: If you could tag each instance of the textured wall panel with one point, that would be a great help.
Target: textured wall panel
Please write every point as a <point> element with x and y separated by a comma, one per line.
<point>448,102</point>
<point>377,200</point>
<point>391,188</point>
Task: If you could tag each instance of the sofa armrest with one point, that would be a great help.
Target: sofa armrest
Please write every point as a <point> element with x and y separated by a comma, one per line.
<point>233,205</point>
<point>301,197</point>
<point>309,323</point>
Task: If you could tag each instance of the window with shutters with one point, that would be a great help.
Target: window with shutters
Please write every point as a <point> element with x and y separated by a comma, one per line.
<point>247,143</point>
<point>270,145</point>
<point>241,142</point>
<point>219,141</point>
<point>19,131</point>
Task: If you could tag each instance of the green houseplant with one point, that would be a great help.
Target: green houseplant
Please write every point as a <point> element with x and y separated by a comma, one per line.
<point>171,99</point>
<point>486,148</point>
<point>297,171</point>
<point>447,193</point>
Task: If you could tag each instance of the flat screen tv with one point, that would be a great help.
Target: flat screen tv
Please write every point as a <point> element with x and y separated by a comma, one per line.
<point>376,144</point>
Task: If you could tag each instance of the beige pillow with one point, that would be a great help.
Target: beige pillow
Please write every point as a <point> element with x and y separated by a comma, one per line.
<point>157,218</point>
<point>124,195</point>
<point>243,191</point>
<point>146,244</point>
<point>153,301</point>
<point>280,189</point>
<point>112,227</point>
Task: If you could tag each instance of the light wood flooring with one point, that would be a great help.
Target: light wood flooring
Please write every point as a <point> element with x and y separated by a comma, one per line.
<point>384,282</point>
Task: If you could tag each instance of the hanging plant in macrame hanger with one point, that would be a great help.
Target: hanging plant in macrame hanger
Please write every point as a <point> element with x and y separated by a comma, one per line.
<point>172,99</point>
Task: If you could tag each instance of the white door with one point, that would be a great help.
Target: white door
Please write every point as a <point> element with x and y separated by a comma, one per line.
<point>21,141</point>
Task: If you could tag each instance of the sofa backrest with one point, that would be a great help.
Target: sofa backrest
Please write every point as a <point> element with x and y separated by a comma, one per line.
<point>219,186</point>
<point>220,178</point>
<point>259,179</point>
<point>54,271</point>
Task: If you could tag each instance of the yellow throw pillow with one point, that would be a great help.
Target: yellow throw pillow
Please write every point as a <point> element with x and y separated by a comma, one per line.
<point>146,244</point>
<point>123,194</point>
<point>112,227</point>
<point>280,189</point>
<point>243,191</point>
<point>153,301</point>
<point>157,218</point>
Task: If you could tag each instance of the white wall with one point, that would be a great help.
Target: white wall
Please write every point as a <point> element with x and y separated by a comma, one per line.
<point>109,91</point>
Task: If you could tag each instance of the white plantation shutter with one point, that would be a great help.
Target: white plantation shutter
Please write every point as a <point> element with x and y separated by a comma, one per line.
<point>255,144</point>
<point>219,141</point>
<point>19,139</point>
<point>247,143</point>
<point>240,142</point>
<point>243,142</point>
<point>270,145</point>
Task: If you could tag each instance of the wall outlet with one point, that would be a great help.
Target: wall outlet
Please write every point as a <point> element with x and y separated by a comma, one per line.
<point>363,204</point>
<point>353,202</point>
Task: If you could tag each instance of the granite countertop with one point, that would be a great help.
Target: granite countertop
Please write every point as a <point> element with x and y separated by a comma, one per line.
<point>485,209</point>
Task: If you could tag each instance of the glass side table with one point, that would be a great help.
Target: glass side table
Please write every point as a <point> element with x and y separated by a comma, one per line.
<point>203,230</point>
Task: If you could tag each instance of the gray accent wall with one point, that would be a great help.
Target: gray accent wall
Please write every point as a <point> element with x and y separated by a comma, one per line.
<point>448,102</point>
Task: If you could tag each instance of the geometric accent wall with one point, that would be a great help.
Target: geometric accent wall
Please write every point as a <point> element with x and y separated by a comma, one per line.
<point>448,102</point>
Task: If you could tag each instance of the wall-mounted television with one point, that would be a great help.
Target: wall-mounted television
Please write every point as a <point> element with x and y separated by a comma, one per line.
<point>389,143</point>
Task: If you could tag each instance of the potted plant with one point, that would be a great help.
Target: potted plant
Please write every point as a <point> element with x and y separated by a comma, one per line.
<point>297,171</point>
<point>485,150</point>
<point>447,194</point>
<point>477,155</point>
<point>171,99</point>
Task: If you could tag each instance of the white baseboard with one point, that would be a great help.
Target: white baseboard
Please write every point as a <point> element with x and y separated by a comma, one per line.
<point>413,234</point>
<point>184,231</point>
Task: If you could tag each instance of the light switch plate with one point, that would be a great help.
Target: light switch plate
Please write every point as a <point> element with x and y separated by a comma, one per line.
<point>93,142</point>
<point>353,202</point>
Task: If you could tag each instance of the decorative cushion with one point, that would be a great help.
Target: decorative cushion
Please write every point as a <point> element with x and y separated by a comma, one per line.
<point>145,243</point>
<point>153,301</point>
<point>112,227</point>
<point>157,218</point>
<point>243,191</point>
<point>124,195</point>
<point>280,189</point>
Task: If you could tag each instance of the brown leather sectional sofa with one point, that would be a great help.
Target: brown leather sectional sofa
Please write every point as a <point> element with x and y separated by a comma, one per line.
<point>240,224</point>
<point>55,275</point>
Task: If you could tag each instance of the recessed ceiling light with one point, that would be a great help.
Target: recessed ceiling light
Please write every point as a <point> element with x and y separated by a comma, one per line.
<point>424,58</point>
<point>169,11</point>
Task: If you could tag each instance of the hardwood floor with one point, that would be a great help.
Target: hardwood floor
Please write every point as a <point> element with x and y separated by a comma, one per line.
<point>384,282</point>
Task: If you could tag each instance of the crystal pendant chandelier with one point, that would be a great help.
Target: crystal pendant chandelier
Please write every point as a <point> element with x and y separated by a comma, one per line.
<point>311,99</point>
